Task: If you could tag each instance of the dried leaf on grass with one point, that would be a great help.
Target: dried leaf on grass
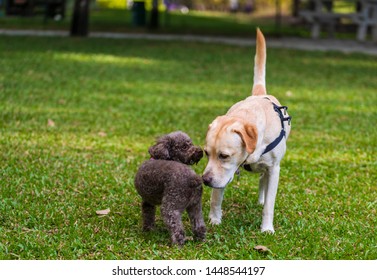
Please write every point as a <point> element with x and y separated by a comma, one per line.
<point>50,123</point>
<point>103,212</point>
<point>261,248</point>
<point>102,134</point>
<point>289,93</point>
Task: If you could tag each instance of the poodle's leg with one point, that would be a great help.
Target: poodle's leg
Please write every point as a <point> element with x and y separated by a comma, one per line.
<point>148,212</point>
<point>197,222</point>
<point>173,220</point>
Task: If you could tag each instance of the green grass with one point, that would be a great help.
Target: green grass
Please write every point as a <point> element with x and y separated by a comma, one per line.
<point>109,99</point>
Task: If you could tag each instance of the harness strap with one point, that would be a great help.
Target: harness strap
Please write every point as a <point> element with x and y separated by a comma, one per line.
<point>282,132</point>
<point>276,142</point>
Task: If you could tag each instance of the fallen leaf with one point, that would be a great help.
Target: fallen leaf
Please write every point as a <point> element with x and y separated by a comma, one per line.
<point>261,248</point>
<point>103,212</point>
<point>309,191</point>
<point>102,134</point>
<point>50,123</point>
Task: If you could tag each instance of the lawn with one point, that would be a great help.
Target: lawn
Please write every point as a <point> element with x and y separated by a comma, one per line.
<point>77,117</point>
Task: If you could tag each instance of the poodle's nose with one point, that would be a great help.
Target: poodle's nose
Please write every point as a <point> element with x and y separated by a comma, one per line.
<point>199,152</point>
<point>207,179</point>
<point>197,155</point>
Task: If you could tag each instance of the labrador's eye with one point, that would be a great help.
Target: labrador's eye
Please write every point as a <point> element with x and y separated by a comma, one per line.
<point>223,156</point>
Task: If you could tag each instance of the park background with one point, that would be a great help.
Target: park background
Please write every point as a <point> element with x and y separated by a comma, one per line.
<point>78,113</point>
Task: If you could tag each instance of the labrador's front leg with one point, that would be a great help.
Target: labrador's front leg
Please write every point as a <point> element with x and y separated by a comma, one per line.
<point>215,212</point>
<point>269,200</point>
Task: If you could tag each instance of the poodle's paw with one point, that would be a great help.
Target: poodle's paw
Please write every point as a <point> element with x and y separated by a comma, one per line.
<point>147,228</point>
<point>178,238</point>
<point>200,234</point>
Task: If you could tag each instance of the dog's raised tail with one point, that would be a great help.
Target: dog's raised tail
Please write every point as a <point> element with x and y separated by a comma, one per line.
<point>259,87</point>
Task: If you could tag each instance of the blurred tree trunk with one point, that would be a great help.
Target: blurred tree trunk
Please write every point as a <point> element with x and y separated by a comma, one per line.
<point>278,17</point>
<point>80,18</point>
<point>154,23</point>
<point>295,7</point>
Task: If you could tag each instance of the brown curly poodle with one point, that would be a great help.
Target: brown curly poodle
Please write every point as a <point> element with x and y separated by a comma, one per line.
<point>167,180</point>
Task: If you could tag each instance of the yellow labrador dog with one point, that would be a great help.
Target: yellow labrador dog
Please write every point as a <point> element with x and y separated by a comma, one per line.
<point>252,135</point>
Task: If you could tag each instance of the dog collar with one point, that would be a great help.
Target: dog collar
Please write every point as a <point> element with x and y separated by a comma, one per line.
<point>273,144</point>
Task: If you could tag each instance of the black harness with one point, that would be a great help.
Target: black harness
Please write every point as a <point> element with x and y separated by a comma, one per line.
<point>273,144</point>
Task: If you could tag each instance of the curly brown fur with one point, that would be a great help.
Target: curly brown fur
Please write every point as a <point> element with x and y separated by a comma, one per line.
<point>167,180</point>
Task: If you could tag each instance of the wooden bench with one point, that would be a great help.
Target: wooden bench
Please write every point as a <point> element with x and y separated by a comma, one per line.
<point>321,14</point>
<point>48,8</point>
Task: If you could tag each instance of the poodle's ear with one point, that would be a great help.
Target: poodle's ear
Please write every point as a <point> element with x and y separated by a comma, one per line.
<point>160,150</point>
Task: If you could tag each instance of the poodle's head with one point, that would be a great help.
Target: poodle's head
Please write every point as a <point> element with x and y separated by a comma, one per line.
<point>176,146</point>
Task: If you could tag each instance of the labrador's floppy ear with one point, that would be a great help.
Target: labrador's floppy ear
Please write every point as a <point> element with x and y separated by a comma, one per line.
<point>161,149</point>
<point>249,136</point>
